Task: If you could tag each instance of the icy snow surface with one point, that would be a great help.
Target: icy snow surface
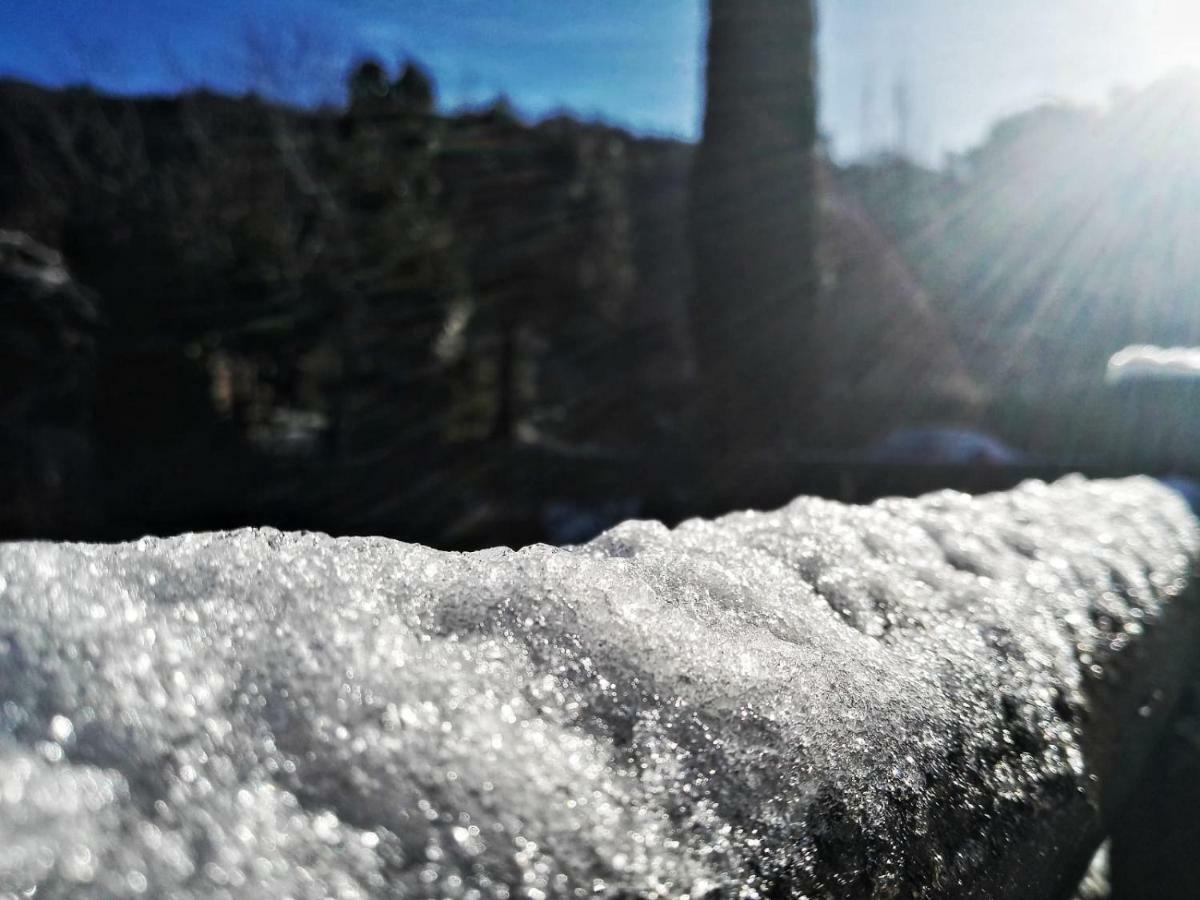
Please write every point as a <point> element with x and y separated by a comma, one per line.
<point>823,701</point>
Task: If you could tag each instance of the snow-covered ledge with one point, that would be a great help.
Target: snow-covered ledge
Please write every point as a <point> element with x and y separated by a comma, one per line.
<point>942,697</point>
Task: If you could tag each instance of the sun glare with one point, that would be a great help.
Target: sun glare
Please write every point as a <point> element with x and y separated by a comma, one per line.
<point>1175,33</point>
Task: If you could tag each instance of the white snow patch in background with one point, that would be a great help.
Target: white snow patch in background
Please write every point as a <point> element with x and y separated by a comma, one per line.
<point>1144,361</point>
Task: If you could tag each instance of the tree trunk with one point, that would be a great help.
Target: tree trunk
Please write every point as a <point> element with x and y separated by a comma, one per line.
<point>754,228</point>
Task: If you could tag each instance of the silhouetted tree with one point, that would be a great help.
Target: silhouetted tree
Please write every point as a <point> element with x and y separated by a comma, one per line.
<point>368,84</point>
<point>414,89</point>
<point>754,225</point>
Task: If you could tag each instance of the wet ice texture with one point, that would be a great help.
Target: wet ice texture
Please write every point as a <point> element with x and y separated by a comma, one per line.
<point>820,701</point>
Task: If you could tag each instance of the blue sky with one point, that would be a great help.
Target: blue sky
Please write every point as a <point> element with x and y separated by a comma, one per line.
<point>636,62</point>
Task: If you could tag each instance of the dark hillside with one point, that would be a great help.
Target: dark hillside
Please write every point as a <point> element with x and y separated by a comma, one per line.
<point>459,329</point>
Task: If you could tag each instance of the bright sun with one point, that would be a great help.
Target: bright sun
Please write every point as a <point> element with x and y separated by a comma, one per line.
<point>1175,32</point>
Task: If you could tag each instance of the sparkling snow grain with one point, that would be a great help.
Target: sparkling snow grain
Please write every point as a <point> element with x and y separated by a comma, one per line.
<point>820,701</point>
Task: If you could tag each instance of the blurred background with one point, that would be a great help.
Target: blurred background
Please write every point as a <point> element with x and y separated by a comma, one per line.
<point>474,272</point>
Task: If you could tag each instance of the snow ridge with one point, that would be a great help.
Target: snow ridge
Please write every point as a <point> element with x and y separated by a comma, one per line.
<point>912,698</point>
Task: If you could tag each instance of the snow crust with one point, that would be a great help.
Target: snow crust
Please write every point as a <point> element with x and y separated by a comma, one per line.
<point>823,701</point>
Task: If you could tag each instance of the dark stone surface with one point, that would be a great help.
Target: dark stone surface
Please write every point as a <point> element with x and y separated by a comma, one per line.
<point>1156,841</point>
